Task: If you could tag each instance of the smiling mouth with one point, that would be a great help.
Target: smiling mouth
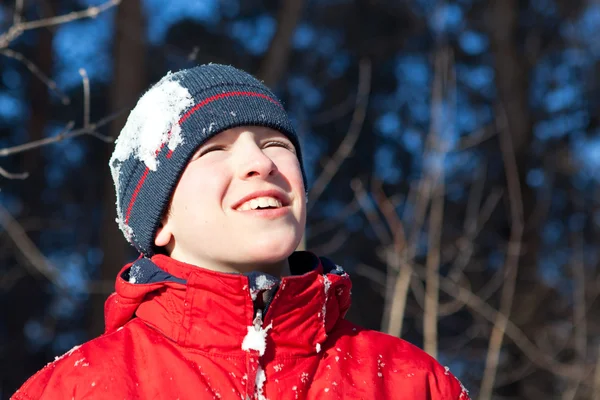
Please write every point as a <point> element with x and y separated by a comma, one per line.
<point>260,203</point>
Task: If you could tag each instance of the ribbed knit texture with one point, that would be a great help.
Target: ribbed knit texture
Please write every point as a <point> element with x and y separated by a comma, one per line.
<point>149,159</point>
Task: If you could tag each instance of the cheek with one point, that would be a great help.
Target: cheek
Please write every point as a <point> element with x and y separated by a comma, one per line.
<point>197,186</point>
<point>290,168</point>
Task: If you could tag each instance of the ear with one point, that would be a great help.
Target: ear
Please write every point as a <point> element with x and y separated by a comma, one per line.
<point>163,234</point>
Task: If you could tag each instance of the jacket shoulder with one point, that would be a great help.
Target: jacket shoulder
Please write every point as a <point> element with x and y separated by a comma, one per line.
<point>81,371</point>
<point>400,363</point>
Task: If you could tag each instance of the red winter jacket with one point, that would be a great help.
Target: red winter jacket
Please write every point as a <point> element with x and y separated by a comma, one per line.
<point>188,333</point>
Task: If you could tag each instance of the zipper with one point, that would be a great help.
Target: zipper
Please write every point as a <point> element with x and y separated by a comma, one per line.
<point>258,321</point>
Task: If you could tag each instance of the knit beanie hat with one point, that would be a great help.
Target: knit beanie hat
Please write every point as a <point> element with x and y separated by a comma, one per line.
<point>166,127</point>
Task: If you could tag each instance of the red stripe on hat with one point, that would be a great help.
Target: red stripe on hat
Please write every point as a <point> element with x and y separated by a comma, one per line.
<point>188,114</point>
<point>135,195</point>
<point>222,96</point>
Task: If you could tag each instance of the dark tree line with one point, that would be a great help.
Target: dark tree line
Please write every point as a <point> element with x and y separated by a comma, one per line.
<point>452,150</point>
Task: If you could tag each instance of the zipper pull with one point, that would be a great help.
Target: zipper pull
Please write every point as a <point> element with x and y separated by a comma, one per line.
<point>258,320</point>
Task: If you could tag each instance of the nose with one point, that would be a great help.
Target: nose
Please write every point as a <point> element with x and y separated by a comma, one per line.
<point>255,163</point>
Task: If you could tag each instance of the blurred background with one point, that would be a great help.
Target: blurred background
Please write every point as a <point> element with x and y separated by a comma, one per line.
<point>452,150</point>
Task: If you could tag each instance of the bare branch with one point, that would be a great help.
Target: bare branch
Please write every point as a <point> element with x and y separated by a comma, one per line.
<point>512,257</point>
<point>36,259</point>
<point>597,377</point>
<point>397,301</point>
<point>375,275</point>
<point>363,200</point>
<point>480,136</point>
<point>347,145</point>
<point>276,59</point>
<point>335,112</point>
<point>537,356</point>
<point>37,263</point>
<point>443,66</point>
<point>332,222</point>
<point>66,133</point>
<point>38,73</point>
<point>388,209</point>
<point>37,143</point>
<point>472,225</point>
<point>17,29</point>
<point>333,244</point>
<point>579,312</point>
<point>399,271</point>
<point>13,175</point>
<point>431,311</point>
<point>86,97</point>
<point>18,11</point>
<point>10,277</point>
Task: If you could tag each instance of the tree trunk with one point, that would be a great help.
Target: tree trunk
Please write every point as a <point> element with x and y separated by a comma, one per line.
<point>275,62</point>
<point>128,83</point>
<point>28,292</point>
<point>512,83</point>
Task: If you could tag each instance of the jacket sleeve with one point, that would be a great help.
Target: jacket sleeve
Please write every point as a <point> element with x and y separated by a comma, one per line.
<point>34,387</point>
<point>58,379</point>
<point>45,384</point>
<point>447,386</point>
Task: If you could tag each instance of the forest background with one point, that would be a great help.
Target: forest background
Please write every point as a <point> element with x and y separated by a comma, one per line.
<point>452,150</point>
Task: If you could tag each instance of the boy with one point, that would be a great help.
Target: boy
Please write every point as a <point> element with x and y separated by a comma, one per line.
<point>211,190</point>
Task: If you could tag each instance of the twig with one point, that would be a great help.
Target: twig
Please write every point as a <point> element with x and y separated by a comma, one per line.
<point>512,257</point>
<point>420,197</point>
<point>36,259</point>
<point>579,312</point>
<point>333,244</point>
<point>10,277</point>
<point>335,112</point>
<point>66,133</point>
<point>488,207</point>
<point>38,73</point>
<point>362,198</point>
<point>537,356</point>
<point>395,299</point>
<point>480,136</point>
<point>86,97</point>
<point>597,377</point>
<point>276,59</point>
<point>347,145</point>
<point>388,209</point>
<point>399,270</point>
<point>17,30</point>
<point>99,136</point>
<point>18,12</point>
<point>399,296</point>
<point>431,309</point>
<point>465,243</point>
<point>13,175</point>
<point>372,273</point>
<point>436,216</point>
<point>38,143</point>
<point>540,358</point>
<point>579,303</point>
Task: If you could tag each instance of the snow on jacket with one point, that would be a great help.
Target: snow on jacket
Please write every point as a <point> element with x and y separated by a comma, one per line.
<point>175,331</point>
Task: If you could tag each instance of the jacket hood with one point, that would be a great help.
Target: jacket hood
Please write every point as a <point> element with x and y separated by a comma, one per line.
<point>214,311</point>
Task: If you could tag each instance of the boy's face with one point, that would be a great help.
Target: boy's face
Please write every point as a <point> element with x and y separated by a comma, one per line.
<point>214,221</point>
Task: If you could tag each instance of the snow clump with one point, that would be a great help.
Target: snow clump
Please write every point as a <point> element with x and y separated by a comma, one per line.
<point>152,123</point>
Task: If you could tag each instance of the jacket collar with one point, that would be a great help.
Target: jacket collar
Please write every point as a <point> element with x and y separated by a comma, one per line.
<point>212,311</point>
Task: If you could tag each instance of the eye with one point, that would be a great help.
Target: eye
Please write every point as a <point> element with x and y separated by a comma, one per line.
<point>208,149</point>
<point>279,143</point>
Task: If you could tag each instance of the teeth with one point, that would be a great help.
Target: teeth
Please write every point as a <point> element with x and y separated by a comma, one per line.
<point>262,202</point>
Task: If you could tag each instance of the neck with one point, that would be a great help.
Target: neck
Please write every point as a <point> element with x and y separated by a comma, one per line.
<point>278,268</point>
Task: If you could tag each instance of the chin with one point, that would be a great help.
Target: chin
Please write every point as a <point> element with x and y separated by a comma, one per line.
<point>272,251</point>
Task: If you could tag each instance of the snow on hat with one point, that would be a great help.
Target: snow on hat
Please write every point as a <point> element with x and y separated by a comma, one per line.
<point>163,131</point>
